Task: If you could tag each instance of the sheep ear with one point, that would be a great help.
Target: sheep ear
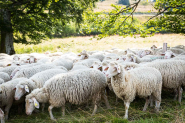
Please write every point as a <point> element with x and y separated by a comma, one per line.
<point>106,68</point>
<point>118,69</point>
<point>173,55</point>
<point>26,88</point>
<point>35,59</point>
<point>36,104</point>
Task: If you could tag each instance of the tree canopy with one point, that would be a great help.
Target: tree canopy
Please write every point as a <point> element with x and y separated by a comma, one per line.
<point>32,20</point>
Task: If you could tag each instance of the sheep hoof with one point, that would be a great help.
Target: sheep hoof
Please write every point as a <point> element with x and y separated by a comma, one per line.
<point>54,119</point>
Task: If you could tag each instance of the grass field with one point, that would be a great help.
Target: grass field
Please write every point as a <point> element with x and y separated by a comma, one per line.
<point>170,110</point>
<point>90,43</point>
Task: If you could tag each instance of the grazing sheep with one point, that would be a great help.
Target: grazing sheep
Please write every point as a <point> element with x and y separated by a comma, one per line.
<point>140,81</point>
<point>36,81</point>
<point>30,71</point>
<point>76,87</point>
<point>173,73</point>
<point>1,81</point>
<point>4,76</point>
<point>2,116</point>
<point>7,94</point>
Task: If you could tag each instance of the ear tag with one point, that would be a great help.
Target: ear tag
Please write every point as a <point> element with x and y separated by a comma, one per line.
<point>26,88</point>
<point>35,104</point>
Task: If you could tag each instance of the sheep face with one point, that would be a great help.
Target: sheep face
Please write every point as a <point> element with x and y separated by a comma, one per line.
<point>97,65</point>
<point>169,54</point>
<point>131,58</point>
<point>153,47</point>
<point>113,70</point>
<point>31,104</point>
<point>105,67</point>
<point>16,58</point>
<point>32,59</point>
<point>15,63</point>
<point>14,72</point>
<point>20,91</point>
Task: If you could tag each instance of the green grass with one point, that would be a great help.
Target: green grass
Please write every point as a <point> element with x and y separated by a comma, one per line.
<point>170,111</point>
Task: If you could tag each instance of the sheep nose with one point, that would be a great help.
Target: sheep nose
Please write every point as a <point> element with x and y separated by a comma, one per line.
<point>28,113</point>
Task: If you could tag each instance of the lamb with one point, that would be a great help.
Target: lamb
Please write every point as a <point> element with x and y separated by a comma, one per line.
<point>83,55</point>
<point>76,87</point>
<point>4,76</point>
<point>7,94</point>
<point>173,74</point>
<point>29,72</point>
<point>1,81</point>
<point>133,58</point>
<point>68,64</point>
<point>141,81</point>
<point>2,116</point>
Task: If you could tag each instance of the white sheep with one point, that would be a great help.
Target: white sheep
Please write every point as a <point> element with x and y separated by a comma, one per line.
<point>2,116</point>
<point>1,81</point>
<point>68,64</point>
<point>79,66</point>
<point>4,76</point>
<point>8,69</point>
<point>7,94</point>
<point>30,71</point>
<point>173,73</point>
<point>87,62</point>
<point>76,87</point>
<point>134,58</point>
<point>140,81</point>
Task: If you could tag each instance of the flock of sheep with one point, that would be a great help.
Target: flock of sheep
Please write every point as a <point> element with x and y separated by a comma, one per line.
<point>58,78</point>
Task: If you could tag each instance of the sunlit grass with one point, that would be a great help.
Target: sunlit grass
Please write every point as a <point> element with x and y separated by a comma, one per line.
<point>77,44</point>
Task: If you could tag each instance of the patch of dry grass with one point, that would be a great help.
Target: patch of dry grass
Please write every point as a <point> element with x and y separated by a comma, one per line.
<point>77,44</point>
<point>106,6</point>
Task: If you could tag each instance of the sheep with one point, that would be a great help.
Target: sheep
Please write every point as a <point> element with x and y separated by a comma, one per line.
<point>2,116</point>
<point>68,64</point>
<point>174,50</point>
<point>7,94</point>
<point>1,81</point>
<point>22,66</point>
<point>83,55</point>
<point>76,87</point>
<point>133,58</point>
<point>79,66</point>
<point>143,53</point>
<point>169,54</point>
<point>173,73</point>
<point>30,71</point>
<point>4,76</point>
<point>180,47</point>
<point>87,62</point>
<point>141,81</point>
<point>36,81</point>
<point>8,69</point>
<point>97,65</point>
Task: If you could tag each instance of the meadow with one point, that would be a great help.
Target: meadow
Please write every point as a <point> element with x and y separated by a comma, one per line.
<point>170,111</point>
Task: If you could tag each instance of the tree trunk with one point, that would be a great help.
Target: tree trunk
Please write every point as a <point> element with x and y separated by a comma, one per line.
<point>2,48</point>
<point>7,40</point>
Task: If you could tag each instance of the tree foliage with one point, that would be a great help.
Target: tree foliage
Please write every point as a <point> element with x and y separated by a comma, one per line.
<point>33,20</point>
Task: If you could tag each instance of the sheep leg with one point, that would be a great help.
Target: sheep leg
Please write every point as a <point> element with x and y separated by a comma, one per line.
<point>180,90</point>
<point>146,104</point>
<point>43,105</point>
<point>50,112</point>
<point>176,93</point>
<point>127,104</point>
<point>157,105</point>
<point>7,109</point>
<point>151,101</point>
<point>106,101</point>
<point>95,109</point>
<point>63,110</point>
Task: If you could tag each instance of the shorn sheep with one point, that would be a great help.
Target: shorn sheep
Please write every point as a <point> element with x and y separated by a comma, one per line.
<point>75,87</point>
<point>144,82</point>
